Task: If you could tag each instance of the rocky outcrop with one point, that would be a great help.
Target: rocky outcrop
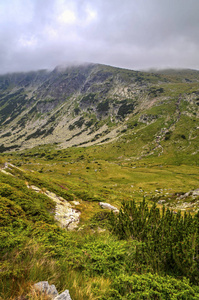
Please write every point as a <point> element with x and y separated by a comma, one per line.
<point>64,296</point>
<point>108,206</point>
<point>161,201</point>
<point>192,193</point>
<point>65,214</point>
<point>43,287</point>
<point>147,119</point>
<point>59,96</point>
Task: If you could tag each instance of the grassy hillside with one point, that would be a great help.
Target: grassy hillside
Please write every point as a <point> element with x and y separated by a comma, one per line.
<point>95,104</point>
<point>93,262</point>
<point>134,138</point>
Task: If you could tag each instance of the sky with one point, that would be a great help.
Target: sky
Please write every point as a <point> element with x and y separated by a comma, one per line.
<point>133,34</point>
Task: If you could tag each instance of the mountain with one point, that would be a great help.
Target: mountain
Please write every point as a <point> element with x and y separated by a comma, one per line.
<point>135,149</point>
<point>149,113</point>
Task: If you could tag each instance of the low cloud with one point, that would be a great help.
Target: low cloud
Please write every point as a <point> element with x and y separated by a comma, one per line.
<point>131,34</point>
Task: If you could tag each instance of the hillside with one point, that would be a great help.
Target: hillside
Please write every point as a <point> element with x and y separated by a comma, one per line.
<point>95,104</point>
<point>78,139</point>
<point>105,256</point>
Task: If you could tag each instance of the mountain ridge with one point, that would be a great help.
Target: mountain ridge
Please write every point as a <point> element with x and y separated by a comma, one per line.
<point>95,104</point>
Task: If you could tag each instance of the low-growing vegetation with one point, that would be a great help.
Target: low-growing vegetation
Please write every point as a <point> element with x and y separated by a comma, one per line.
<point>144,252</point>
<point>146,165</point>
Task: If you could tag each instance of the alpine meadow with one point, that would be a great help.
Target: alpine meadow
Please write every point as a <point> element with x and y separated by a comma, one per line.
<point>99,184</point>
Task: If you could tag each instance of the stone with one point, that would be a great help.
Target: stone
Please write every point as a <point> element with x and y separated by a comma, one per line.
<point>76,202</point>
<point>184,196</point>
<point>45,288</point>
<point>35,188</point>
<point>147,119</point>
<point>63,296</point>
<point>195,192</point>
<point>64,213</point>
<point>108,206</point>
<point>100,230</point>
<point>161,201</point>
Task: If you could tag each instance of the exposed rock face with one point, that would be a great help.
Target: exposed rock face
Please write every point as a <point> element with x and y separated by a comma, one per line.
<point>65,214</point>
<point>43,287</point>
<point>147,119</point>
<point>39,107</point>
<point>96,104</point>
<point>108,206</point>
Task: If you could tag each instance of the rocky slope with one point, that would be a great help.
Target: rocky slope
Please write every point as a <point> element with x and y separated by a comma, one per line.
<point>95,104</point>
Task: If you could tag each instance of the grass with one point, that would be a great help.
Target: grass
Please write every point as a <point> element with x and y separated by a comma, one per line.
<point>90,262</point>
<point>86,261</point>
<point>88,179</point>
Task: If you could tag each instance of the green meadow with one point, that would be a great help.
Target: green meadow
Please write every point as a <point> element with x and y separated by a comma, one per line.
<point>150,249</point>
<point>94,261</point>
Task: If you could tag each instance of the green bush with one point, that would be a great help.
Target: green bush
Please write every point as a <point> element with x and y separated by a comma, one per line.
<point>170,242</point>
<point>149,286</point>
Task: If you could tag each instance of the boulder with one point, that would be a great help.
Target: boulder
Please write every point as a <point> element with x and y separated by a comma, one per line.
<point>64,296</point>
<point>161,201</point>
<point>108,206</point>
<point>45,288</point>
<point>195,193</point>
<point>50,290</point>
<point>147,119</point>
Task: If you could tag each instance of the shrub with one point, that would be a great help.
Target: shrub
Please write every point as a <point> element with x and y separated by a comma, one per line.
<point>148,286</point>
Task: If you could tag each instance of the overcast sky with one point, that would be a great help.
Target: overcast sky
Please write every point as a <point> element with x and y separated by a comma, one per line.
<point>134,34</point>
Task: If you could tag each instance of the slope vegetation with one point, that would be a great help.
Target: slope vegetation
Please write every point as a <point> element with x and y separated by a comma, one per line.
<point>135,146</point>
<point>96,104</point>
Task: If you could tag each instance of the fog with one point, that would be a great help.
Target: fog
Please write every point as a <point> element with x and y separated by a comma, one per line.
<point>38,34</point>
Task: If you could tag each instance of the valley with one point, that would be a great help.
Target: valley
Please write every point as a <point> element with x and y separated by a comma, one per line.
<point>95,134</point>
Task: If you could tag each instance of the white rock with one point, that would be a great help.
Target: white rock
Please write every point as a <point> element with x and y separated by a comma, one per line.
<point>76,202</point>
<point>108,206</point>
<point>63,296</point>
<point>161,201</point>
<point>45,287</point>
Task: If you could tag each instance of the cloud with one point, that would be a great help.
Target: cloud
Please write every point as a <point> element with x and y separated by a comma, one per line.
<point>129,33</point>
